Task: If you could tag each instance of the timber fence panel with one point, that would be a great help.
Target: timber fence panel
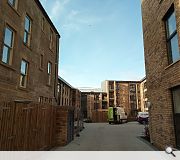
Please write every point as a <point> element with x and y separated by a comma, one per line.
<point>26,126</point>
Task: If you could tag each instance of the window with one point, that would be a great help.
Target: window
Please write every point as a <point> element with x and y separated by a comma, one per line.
<point>8,45</point>
<point>51,39</point>
<point>41,61</point>
<point>49,73</point>
<point>13,3</point>
<point>42,24</point>
<point>23,77</point>
<point>27,31</point>
<point>172,37</point>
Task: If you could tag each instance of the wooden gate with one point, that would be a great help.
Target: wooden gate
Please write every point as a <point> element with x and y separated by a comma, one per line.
<point>26,126</point>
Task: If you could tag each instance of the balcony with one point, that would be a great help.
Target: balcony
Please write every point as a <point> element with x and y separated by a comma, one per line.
<point>111,89</point>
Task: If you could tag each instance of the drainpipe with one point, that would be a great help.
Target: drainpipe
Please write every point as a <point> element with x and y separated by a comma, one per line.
<point>56,66</point>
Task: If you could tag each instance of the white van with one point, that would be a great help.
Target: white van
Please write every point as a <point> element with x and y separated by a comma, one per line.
<point>121,115</point>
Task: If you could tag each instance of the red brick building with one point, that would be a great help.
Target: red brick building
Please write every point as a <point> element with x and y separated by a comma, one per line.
<point>29,51</point>
<point>161,27</point>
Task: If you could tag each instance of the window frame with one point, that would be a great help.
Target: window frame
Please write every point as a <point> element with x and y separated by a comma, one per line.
<point>43,23</point>
<point>169,37</point>
<point>27,33</point>
<point>10,48</point>
<point>41,61</point>
<point>51,39</point>
<point>14,5</point>
<point>49,73</point>
<point>25,76</point>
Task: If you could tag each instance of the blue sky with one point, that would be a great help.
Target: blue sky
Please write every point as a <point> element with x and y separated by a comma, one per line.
<point>100,40</point>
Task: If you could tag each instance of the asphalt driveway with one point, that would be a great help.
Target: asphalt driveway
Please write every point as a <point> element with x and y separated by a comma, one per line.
<point>105,137</point>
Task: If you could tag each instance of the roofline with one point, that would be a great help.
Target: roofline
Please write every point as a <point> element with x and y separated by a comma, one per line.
<point>124,81</point>
<point>143,79</point>
<point>46,15</point>
<point>61,79</point>
<point>92,92</point>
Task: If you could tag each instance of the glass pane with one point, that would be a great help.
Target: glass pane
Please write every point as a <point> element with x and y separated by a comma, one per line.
<point>175,48</point>
<point>8,37</point>
<point>23,67</point>
<point>25,37</point>
<point>12,2</point>
<point>176,100</point>
<point>49,68</point>
<point>27,24</point>
<point>22,80</point>
<point>5,56</point>
<point>171,24</point>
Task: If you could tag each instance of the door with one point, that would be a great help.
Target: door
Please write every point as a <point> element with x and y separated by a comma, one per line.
<point>176,102</point>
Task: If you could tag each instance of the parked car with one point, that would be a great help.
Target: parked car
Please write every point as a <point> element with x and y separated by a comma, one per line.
<point>143,117</point>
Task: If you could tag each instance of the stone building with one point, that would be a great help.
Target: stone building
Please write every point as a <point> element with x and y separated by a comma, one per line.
<point>29,52</point>
<point>161,28</point>
<point>64,93</point>
<point>69,96</point>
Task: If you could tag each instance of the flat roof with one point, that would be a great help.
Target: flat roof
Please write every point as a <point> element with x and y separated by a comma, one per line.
<point>124,81</point>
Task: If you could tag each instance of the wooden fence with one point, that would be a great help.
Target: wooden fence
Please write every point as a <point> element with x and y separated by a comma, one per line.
<point>26,126</point>
<point>99,116</point>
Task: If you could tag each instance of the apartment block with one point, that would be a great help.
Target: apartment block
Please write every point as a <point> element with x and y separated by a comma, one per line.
<point>143,96</point>
<point>29,52</point>
<point>90,106</point>
<point>161,30</point>
<point>124,94</point>
<point>93,101</point>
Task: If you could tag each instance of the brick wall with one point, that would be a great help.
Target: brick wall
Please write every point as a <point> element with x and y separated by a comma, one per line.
<point>64,128</point>
<point>37,80</point>
<point>161,76</point>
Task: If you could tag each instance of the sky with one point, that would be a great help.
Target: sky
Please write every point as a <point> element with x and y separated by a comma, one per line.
<point>100,40</point>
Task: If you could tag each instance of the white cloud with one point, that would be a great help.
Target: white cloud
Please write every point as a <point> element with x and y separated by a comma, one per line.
<point>55,8</point>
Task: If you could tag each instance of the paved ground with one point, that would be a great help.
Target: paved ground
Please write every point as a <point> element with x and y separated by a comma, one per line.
<point>105,137</point>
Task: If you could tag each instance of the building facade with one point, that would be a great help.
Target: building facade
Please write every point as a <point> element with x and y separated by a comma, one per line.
<point>29,51</point>
<point>161,28</point>
<point>93,101</point>
<point>68,96</point>
<point>124,94</point>
<point>76,102</point>
<point>64,93</point>
<point>143,96</point>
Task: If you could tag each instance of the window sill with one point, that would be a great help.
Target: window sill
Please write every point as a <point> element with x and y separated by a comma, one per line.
<point>41,69</point>
<point>49,85</point>
<point>7,66</point>
<point>172,64</point>
<point>27,46</point>
<point>14,9</point>
<point>23,88</point>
